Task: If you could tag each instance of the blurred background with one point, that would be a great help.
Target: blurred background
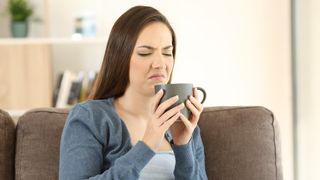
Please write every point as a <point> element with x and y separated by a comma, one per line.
<point>243,52</point>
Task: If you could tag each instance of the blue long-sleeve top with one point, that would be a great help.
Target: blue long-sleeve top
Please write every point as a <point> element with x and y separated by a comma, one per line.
<point>95,144</point>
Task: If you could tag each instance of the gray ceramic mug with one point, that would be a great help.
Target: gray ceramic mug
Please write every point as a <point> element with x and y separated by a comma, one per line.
<point>183,90</point>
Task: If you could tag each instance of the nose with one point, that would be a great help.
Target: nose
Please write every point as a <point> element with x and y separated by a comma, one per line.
<point>158,62</point>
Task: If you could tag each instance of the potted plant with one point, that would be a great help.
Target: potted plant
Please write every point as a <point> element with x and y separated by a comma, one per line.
<point>19,11</point>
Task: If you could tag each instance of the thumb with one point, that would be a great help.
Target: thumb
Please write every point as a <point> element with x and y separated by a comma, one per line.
<point>156,99</point>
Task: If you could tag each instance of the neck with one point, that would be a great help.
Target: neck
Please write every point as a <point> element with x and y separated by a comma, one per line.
<point>135,104</point>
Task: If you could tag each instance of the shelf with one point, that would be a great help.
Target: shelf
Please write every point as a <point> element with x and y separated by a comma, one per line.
<point>8,41</point>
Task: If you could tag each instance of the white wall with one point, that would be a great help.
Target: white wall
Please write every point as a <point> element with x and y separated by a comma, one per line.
<point>308,88</point>
<point>238,50</point>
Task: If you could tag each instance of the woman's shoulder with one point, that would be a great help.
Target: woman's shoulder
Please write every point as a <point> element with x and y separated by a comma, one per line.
<point>100,111</point>
<point>92,109</point>
<point>100,106</point>
<point>98,116</point>
<point>96,104</point>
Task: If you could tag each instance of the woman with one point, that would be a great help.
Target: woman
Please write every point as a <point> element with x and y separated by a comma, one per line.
<point>123,132</point>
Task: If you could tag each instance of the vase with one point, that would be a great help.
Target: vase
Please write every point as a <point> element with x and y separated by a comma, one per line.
<point>19,28</point>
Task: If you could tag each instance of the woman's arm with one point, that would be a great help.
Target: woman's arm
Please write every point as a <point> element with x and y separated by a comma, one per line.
<point>82,151</point>
<point>190,159</point>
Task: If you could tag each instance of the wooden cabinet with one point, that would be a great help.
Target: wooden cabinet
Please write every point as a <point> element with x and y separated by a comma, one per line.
<point>25,76</point>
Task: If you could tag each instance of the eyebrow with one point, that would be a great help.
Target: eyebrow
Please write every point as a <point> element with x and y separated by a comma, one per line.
<point>149,47</point>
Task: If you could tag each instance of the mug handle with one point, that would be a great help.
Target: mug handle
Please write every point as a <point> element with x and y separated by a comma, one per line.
<point>204,94</point>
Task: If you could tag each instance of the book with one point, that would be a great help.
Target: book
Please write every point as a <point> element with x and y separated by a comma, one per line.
<point>75,90</point>
<point>72,88</point>
<point>66,83</point>
<point>56,90</point>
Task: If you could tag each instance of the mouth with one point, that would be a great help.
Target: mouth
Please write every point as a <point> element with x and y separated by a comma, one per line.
<point>157,77</point>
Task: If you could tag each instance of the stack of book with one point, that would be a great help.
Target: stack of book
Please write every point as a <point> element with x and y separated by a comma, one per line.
<point>72,88</point>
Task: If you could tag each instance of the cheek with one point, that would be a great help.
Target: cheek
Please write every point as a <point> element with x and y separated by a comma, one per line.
<point>137,69</point>
<point>170,65</point>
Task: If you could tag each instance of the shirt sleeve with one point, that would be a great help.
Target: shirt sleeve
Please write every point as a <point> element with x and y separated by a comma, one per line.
<point>190,159</point>
<point>82,151</point>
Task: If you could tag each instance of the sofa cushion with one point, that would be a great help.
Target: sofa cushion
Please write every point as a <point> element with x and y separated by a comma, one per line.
<point>38,142</point>
<point>241,143</point>
<point>7,143</point>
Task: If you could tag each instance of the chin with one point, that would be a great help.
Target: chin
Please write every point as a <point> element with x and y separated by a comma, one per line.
<point>159,83</point>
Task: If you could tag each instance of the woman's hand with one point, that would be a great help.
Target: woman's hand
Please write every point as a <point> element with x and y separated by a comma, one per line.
<point>161,120</point>
<point>182,130</point>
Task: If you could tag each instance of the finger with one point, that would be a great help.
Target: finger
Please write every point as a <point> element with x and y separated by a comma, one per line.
<point>194,111</point>
<point>185,121</point>
<point>166,125</point>
<point>171,113</point>
<point>195,93</point>
<point>196,103</point>
<point>157,99</point>
<point>165,105</point>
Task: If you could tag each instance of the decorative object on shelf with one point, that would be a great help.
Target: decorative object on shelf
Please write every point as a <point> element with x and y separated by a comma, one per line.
<point>20,12</point>
<point>84,26</point>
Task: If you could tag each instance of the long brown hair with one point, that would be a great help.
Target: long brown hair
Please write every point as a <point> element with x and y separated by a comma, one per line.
<point>113,77</point>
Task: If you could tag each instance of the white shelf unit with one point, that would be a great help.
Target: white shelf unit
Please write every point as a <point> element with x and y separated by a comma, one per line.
<point>48,51</point>
<point>51,41</point>
<point>30,66</point>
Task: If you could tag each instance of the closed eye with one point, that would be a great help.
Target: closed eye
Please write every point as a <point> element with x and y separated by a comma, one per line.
<point>167,54</point>
<point>144,54</point>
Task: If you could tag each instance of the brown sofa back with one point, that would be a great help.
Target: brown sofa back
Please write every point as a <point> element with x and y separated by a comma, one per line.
<point>7,146</point>
<point>240,143</point>
<point>38,143</point>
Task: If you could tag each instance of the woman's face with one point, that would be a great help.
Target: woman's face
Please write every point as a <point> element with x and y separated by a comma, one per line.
<point>152,59</point>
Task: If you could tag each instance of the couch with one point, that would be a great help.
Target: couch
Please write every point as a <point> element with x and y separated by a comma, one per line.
<point>241,143</point>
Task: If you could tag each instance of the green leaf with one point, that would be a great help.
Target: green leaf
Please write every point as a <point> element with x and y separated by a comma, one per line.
<point>20,10</point>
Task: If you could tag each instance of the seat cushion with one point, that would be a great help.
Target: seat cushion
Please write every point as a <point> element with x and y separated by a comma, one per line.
<point>7,143</point>
<point>241,143</point>
<point>38,143</point>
